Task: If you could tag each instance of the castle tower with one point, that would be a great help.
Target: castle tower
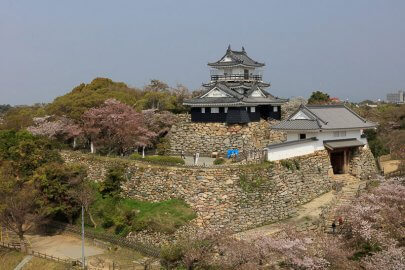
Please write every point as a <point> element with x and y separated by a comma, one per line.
<point>236,93</point>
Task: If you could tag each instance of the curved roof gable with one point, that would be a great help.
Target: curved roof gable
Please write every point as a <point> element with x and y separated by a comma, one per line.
<point>234,58</point>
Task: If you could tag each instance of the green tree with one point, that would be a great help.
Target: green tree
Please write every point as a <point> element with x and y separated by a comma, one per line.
<point>87,96</point>
<point>58,185</point>
<point>18,118</point>
<point>318,97</point>
<point>21,154</point>
<point>111,186</point>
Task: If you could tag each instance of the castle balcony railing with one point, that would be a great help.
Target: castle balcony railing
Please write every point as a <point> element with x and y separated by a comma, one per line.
<point>236,77</point>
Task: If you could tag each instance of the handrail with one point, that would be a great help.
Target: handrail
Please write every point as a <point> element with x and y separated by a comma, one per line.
<point>236,77</point>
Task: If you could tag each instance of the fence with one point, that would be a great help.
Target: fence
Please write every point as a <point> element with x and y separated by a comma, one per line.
<point>17,246</point>
<point>54,258</point>
<point>10,245</point>
<point>145,249</point>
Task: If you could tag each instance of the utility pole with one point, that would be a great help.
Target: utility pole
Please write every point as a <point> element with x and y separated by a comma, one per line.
<point>83,258</point>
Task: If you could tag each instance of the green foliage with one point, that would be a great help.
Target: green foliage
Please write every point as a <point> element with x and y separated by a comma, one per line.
<point>172,255</point>
<point>165,160</point>
<point>111,186</point>
<point>163,146</point>
<point>375,143</point>
<point>87,96</point>
<point>124,215</point>
<point>18,118</point>
<point>291,165</point>
<point>260,166</point>
<point>219,161</point>
<point>156,95</point>
<point>58,185</point>
<point>367,249</point>
<point>26,152</point>
<point>318,97</point>
<point>250,183</point>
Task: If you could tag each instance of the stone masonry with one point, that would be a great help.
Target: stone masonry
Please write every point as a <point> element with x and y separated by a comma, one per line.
<point>362,163</point>
<point>206,138</point>
<point>231,197</point>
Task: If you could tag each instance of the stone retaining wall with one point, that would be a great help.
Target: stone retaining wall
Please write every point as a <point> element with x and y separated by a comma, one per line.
<point>362,164</point>
<point>232,197</point>
<point>206,138</point>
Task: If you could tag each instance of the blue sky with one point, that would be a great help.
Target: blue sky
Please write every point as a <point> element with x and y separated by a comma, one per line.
<point>350,49</point>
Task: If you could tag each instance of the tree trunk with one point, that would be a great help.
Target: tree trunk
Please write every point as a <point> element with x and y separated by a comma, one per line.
<point>21,237</point>
<point>92,148</point>
<point>91,219</point>
<point>74,142</point>
<point>143,151</point>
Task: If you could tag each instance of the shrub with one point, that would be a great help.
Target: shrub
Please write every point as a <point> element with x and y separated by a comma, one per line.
<point>163,146</point>
<point>219,161</point>
<point>111,186</point>
<point>166,160</point>
<point>251,183</point>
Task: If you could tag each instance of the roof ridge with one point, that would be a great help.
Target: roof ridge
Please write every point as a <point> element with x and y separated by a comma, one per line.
<point>316,116</point>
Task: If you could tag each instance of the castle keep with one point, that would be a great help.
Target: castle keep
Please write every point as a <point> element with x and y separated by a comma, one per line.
<point>236,93</point>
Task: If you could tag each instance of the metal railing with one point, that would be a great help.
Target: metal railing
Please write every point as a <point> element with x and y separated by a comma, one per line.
<point>236,77</point>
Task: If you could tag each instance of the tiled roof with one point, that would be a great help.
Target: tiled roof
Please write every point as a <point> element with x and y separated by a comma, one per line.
<point>300,124</point>
<point>234,99</point>
<point>338,116</point>
<point>236,58</point>
<point>325,117</point>
<point>336,144</point>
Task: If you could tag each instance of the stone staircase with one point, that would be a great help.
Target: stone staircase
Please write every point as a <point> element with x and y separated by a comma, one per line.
<point>351,186</point>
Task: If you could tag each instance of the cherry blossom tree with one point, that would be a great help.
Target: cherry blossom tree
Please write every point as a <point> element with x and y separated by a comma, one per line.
<point>61,128</point>
<point>116,127</point>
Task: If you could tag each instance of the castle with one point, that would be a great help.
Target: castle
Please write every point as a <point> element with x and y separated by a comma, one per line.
<point>236,93</point>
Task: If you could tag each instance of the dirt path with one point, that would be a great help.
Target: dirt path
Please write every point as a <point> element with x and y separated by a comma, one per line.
<point>62,246</point>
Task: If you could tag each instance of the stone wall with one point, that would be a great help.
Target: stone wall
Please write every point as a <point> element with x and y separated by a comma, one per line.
<point>206,138</point>
<point>231,197</point>
<point>362,163</point>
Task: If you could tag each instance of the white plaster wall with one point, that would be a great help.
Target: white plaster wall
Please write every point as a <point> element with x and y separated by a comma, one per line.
<point>290,151</point>
<point>327,135</point>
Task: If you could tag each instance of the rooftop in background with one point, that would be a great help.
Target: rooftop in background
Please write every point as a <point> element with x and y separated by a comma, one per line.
<point>235,58</point>
<point>324,117</point>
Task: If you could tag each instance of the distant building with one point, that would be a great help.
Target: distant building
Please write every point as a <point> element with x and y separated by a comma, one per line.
<point>396,97</point>
<point>236,93</point>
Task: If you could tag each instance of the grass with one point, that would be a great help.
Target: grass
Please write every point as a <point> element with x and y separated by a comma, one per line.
<point>39,263</point>
<point>165,160</point>
<point>9,259</point>
<point>120,216</point>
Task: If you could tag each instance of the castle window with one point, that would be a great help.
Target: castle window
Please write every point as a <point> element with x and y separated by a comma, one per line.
<point>303,136</point>
<point>214,110</point>
<point>202,110</point>
<point>252,109</point>
<point>275,109</point>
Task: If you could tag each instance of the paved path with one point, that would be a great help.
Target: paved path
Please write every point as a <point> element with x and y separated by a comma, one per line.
<point>208,161</point>
<point>23,262</point>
